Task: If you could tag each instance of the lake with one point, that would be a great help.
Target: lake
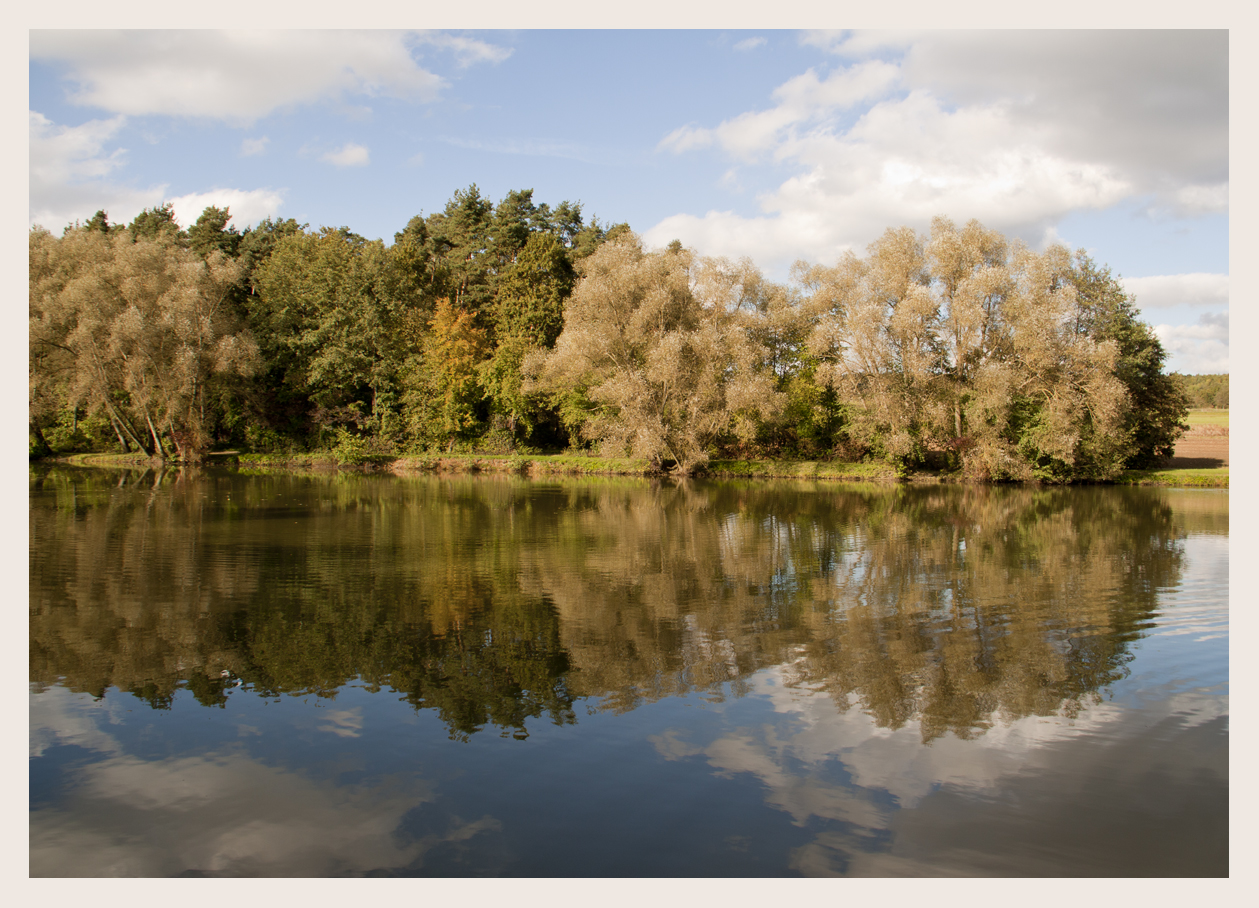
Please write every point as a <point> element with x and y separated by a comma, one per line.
<point>367,675</point>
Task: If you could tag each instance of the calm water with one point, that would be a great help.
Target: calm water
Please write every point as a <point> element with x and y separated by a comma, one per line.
<point>358,675</point>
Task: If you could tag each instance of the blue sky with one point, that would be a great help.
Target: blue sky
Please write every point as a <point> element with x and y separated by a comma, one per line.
<point>777,145</point>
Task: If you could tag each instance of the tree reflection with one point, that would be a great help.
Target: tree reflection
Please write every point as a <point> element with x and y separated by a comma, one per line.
<point>497,602</point>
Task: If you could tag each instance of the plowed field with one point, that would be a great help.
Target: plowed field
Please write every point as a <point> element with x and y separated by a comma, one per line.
<point>1201,448</point>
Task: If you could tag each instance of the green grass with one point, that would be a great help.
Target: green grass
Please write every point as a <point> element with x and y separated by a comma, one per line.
<point>1194,479</point>
<point>531,464</point>
<point>108,460</point>
<point>801,469</point>
<point>1208,418</point>
<point>585,465</point>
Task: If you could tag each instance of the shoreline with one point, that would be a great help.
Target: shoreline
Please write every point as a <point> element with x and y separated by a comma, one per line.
<point>541,465</point>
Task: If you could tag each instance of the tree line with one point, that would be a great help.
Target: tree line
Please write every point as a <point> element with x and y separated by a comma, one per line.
<point>520,327</point>
<point>1205,391</point>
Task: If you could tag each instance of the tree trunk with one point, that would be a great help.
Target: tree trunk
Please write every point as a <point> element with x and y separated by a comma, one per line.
<point>158,449</point>
<point>122,442</point>
<point>119,422</point>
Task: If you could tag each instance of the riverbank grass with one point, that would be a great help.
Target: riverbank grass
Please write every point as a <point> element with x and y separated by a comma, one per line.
<point>584,465</point>
<point>1195,479</point>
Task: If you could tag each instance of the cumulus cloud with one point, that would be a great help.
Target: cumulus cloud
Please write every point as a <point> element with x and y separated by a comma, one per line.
<point>1200,348</point>
<point>248,206</point>
<point>1014,128</point>
<point>240,76</point>
<point>1165,291</point>
<point>749,44</point>
<point>348,155</point>
<point>71,169</point>
<point>251,147</point>
<point>802,100</point>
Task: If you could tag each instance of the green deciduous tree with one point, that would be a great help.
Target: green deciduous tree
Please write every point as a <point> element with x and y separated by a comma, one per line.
<point>1157,405</point>
<point>528,315</point>
<point>329,311</point>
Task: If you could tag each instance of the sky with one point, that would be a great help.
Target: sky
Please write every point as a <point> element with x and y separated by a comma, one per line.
<point>772,144</point>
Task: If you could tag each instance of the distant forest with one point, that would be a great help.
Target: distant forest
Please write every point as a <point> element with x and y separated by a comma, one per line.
<point>1204,390</point>
<point>520,327</point>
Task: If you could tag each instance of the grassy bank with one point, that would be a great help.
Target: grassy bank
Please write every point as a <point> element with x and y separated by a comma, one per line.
<point>1184,479</point>
<point>521,464</point>
<point>801,469</point>
<point>581,465</point>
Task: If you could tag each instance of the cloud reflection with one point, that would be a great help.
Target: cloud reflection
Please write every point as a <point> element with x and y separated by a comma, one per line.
<point>881,803</point>
<point>222,813</point>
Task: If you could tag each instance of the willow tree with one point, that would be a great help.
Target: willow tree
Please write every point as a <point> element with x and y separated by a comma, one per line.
<point>967,344</point>
<point>876,334</point>
<point>139,330</point>
<point>659,355</point>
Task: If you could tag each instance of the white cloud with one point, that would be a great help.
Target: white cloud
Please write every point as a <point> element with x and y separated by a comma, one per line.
<point>70,168</point>
<point>749,44</point>
<point>687,138</point>
<point>904,161</point>
<point>251,147</point>
<point>61,153</point>
<point>348,155</point>
<point>1165,291</point>
<point>801,100</point>
<point>248,206</point>
<point>1016,129</point>
<point>859,44</point>
<point>1197,349</point>
<point>468,51</point>
<point>240,76</point>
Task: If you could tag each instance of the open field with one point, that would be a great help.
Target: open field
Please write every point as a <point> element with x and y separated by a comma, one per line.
<point>1200,418</point>
<point>1205,445</point>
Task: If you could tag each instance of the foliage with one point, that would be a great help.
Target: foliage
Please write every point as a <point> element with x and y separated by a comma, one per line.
<point>669,370</point>
<point>136,332</point>
<point>1204,390</point>
<point>963,344</point>
<point>513,325</point>
<point>1157,403</point>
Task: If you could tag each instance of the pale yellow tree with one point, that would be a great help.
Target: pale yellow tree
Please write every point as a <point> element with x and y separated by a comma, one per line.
<point>658,343</point>
<point>965,343</point>
<point>142,328</point>
<point>876,334</point>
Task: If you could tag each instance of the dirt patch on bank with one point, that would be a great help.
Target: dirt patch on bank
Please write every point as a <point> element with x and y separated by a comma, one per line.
<point>1201,448</point>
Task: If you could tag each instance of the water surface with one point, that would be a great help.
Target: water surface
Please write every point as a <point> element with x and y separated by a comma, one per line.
<point>364,675</point>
